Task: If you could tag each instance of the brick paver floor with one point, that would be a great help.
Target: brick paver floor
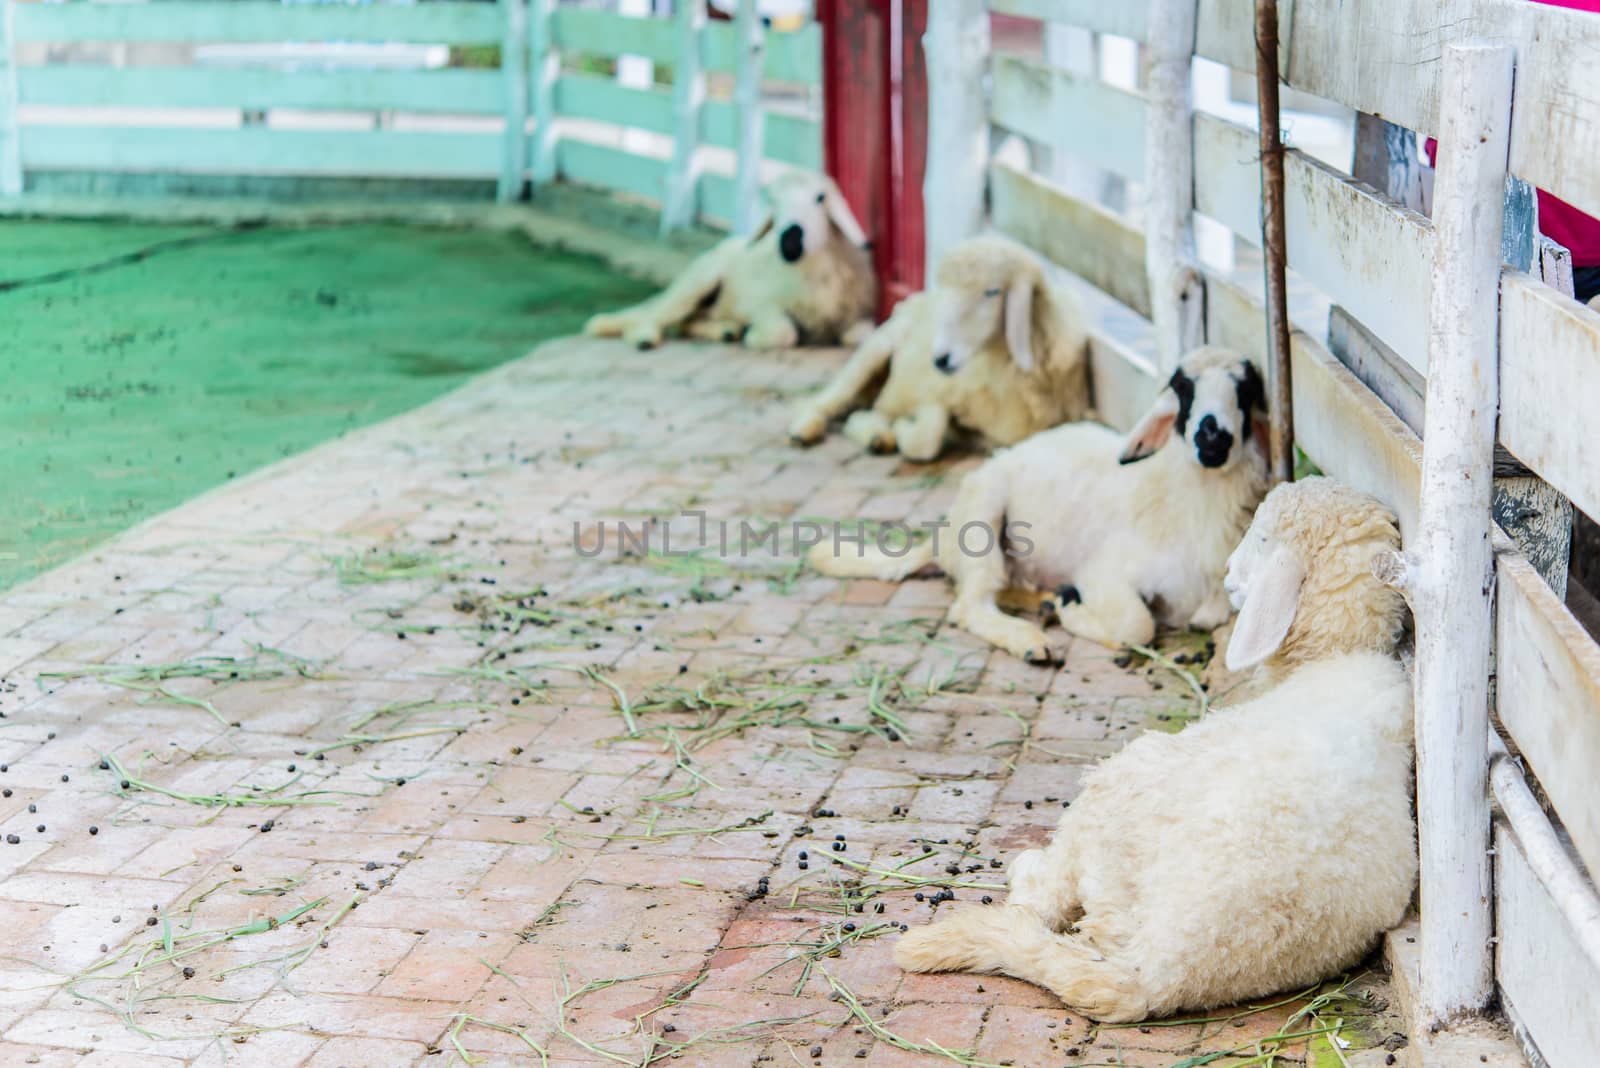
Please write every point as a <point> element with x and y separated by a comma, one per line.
<point>382,756</point>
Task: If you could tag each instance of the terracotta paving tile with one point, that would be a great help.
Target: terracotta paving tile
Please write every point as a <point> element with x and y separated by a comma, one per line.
<point>514,854</point>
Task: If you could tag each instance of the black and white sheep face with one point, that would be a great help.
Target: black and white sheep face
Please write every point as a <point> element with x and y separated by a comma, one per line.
<point>1209,404</point>
<point>805,209</point>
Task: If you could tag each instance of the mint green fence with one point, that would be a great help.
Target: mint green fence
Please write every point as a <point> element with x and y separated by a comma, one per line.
<point>542,100</point>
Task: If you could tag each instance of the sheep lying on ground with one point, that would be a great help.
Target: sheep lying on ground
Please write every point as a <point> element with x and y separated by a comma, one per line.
<point>994,348</point>
<point>1124,547</point>
<point>805,277</point>
<point>1260,850</point>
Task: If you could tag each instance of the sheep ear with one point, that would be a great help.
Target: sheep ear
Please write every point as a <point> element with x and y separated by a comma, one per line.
<point>762,230</point>
<point>1019,322</point>
<point>1269,608</point>
<point>1152,431</point>
<point>842,218</point>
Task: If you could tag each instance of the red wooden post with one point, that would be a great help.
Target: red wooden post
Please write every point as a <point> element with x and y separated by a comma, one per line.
<point>874,129</point>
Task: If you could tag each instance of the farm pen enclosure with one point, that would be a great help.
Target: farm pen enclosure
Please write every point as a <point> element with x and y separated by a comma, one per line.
<point>405,775</point>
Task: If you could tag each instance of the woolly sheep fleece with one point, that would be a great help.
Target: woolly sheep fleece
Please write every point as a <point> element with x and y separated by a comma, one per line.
<point>1262,849</point>
<point>748,289</point>
<point>1014,350</point>
<point>1137,526</point>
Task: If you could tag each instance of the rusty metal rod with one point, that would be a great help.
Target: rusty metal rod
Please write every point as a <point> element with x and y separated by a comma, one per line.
<point>1274,245</point>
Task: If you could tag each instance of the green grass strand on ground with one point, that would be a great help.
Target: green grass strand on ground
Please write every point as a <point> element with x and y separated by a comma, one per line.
<point>134,387</point>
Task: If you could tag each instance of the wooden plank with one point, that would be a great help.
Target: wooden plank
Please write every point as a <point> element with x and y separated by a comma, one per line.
<point>605,33</point>
<point>1552,988</point>
<point>789,138</point>
<point>1130,19</point>
<point>259,20</point>
<point>1226,32</point>
<point>1348,51</point>
<point>1549,365</point>
<point>544,68</point>
<point>678,205</point>
<point>469,92</point>
<point>1548,694</point>
<point>593,96</point>
<point>1177,301</point>
<point>611,168</point>
<point>514,90</point>
<point>261,150</point>
<point>750,39</point>
<point>794,57</point>
<point>10,126</point>
<point>1367,253</point>
<point>1087,240</point>
<point>1075,114</point>
<point>718,198</point>
<point>1352,435</point>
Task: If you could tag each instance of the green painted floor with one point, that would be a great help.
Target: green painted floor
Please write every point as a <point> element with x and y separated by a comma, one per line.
<point>141,365</point>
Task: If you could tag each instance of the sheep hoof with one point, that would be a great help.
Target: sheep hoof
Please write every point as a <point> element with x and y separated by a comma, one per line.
<point>644,345</point>
<point>1043,655</point>
<point>881,444</point>
<point>730,336</point>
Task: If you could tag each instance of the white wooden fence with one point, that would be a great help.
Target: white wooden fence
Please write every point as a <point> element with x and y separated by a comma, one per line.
<point>1448,302</point>
<point>545,107</point>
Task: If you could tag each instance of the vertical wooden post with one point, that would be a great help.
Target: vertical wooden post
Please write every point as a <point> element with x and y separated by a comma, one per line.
<point>1451,572</point>
<point>544,65</point>
<point>679,203</point>
<point>514,70</point>
<point>751,42</point>
<point>1177,295</point>
<point>10,125</point>
<point>1274,246</point>
<point>956,48</point>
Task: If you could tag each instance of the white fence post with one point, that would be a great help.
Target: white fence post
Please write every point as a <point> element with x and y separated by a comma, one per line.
<point>751,41</point>
<point>1177,296</point>
<point>956,50</point>
<point>514,70</point>
<point>1451,572</point>
<point>10,126</point>
<point>678,200</point>
<point>544,66</point>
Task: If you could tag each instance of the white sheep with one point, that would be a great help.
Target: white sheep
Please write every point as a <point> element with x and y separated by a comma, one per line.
<point>994,348</point>
<point>805,277</point>
<point>1124,547</point>
<point>1260,850</point>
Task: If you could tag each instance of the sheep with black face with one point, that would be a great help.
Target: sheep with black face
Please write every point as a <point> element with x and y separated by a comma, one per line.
<point>805,277</point>
<point>993,348</point>
<point>1128,533</point>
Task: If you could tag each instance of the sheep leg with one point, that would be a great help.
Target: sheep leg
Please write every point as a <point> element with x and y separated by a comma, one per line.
<point>725,330</point>
<point>922,435</point>
<point>856,333</point>
<point>772,329</point>
<point>870,430</point>
<point>1213,612</point>
<point>978,566</point>
<point>812,416</point>
<point>1014,941</point>
<point>1036,883</point>
<point>1109,611</point>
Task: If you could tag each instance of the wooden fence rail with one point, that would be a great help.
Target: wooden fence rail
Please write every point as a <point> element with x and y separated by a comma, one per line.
<point>558,116</point>
<point>1447,314</point>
